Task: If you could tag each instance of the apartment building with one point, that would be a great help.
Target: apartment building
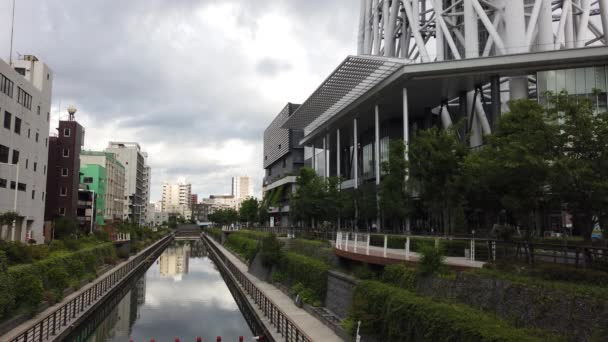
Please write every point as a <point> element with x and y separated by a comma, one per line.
<point>63,174</point>
<point>114,181</point>
<point>25,102</point>
<point>130,155</point>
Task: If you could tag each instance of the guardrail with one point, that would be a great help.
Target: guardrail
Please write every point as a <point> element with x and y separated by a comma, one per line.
<point>532,252</point>
<point>285,326</point>
<point>48,327</point>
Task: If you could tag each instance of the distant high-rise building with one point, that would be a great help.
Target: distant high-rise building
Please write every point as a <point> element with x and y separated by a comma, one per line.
<point>242,188</point>
<point>193,199</point>
<point>136,184</point>
<point>176,199</point>
<point>63,173</point>
<point>25,98</point>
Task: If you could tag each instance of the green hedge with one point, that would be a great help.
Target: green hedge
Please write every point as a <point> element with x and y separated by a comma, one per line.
<point>310,272</point>
<point>393,314</point>
<point>320,250</point>
<point>53,274</point>
<point>215,233</point>
<point>243,246</point>
<point>251,234</point>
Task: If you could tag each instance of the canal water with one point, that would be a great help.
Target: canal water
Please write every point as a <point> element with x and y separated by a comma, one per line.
<point>182,295</point>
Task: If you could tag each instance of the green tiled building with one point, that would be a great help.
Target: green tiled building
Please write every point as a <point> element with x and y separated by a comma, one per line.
<point>94,176</point>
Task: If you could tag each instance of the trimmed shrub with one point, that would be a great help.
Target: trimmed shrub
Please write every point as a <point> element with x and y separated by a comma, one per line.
<point>245,247</point>
<point>393,314</point>
<point>56,245</point>
<point>7,288</point>
<point>251,234</point>
<point>431,260</point>
<point>320,250</point>
<point>306,294</point>
<point>16,252</point>
<point>400,275</point>
<point>311,272</point>
<point>215,233</point>
<point>31,291</point>
<point>270,250</point>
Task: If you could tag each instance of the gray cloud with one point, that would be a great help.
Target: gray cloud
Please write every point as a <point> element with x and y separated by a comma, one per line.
<point>182,75</point>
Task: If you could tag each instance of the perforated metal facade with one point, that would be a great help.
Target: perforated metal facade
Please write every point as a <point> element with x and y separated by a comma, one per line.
<point>277,140</point>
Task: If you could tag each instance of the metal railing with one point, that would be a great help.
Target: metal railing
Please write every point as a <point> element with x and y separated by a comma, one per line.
<point>48,327</point>
<point>285,326</point>
<point>533,252</point>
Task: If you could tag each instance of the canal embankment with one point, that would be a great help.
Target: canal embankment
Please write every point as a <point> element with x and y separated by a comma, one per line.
<point>56,321</point>
<point>293,323</point>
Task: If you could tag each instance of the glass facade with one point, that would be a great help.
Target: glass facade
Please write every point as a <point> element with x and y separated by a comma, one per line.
<point>578,83</point>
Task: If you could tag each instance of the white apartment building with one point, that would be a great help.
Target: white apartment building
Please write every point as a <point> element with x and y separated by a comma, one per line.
<point>176,197</point>
<point>242,188</point>
<point>115,181</point>
<point>25,102</point>
<point>147,182</point>
<point>134,160</point>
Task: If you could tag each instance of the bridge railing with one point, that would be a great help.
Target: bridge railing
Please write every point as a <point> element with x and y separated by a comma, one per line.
<point>284,325</point>
<point>48,327</point>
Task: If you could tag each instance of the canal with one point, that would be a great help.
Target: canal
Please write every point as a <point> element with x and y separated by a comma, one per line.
<point>182,294</point>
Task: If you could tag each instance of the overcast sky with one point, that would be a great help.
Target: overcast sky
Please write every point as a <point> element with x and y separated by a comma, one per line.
<point>195,82</point>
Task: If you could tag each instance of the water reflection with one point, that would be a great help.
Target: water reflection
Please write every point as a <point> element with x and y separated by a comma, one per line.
<point>181,295</point>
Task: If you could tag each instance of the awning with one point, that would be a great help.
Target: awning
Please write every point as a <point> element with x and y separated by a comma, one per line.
<point>352,78</point>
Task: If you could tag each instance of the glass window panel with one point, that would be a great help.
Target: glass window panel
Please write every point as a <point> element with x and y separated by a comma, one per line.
<point>589,80</point>
<point>600,78</point>
<point>541,82</point>
<point>551,81</point>
<point>580,81</point>
<point>560,80</point>
<point>570,81</point>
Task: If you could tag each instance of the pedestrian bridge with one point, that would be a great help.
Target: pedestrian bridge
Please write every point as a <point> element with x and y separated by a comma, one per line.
<point>356,246</point>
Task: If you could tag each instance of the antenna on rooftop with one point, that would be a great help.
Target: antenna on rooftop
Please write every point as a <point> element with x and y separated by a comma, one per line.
<point>10,57</point>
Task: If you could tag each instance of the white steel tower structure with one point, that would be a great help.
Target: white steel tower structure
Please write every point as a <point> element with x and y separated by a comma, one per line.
<point>425,31</point>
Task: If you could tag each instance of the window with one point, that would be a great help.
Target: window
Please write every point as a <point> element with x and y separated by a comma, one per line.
<point>2,183</point>
<point>33,194</point>
<point>44,170</point>
<point>23,98</point>
<point>37,136</point>
<point>48,116</point>
<point>35,166</point>
<point>88,180</point>
<point>17,125</point>
<point>46,142</point>
<point>66,132</point>
<point>38,110</point>
<point>43,195</point>
<point>15,157</point>
<point>63,191</point>
<point>29,131</point>
<point>66,152</point>
<point>27,163</point>
<point>13,185</point>
<point>6,86</point>
<point>64,172</point>
<point>62,211</point>
<point>4,150</point>
<point>279,146</point>
<point>7,120</point>
<point>21,187</point>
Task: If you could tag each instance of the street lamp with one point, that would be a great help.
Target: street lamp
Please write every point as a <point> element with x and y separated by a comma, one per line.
<point>15,199</point>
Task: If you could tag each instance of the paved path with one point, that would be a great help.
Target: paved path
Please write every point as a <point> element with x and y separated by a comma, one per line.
<point>399,255</point>
<point>304,320</point>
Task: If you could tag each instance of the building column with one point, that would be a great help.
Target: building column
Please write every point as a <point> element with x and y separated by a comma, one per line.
<point>406,126</point>
<point>338,152</point>
<point>314,158</point>
<point>377,162</point>
<point>355,155</point>
<point>496,100</point>
<point>377,143</point>
<point>325,161</point>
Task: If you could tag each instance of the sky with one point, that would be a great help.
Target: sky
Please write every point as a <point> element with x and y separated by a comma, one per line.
<point>195,82</point>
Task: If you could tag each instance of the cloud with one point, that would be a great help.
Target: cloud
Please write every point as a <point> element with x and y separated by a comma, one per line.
<point>194,82</point>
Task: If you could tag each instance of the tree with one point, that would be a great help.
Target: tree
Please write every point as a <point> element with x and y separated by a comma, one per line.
<point>393,196</point>
<point>511,171</point>
<point>8,217</point>
<point>436,160</point>
<point>307,204</point>
<point>248,212</point>
<point>579,175</point>
<point>224,216</point>
<point>65,228</point>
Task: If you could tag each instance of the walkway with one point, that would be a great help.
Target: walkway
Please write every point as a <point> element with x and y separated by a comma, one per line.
<point>377,255</point>
<point>304,320</point>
